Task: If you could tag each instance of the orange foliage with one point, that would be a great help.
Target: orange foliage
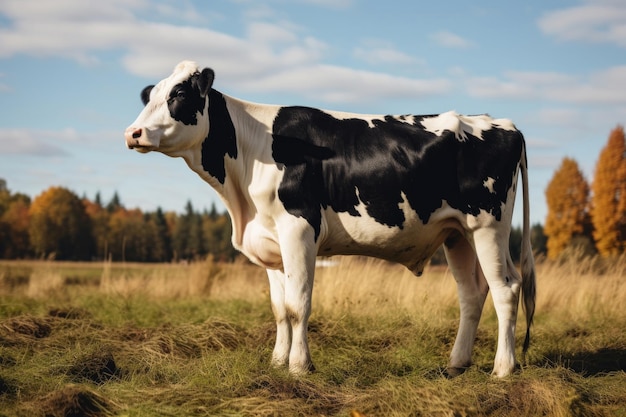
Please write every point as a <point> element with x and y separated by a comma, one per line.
<point>59,225</point>
<point>608,209</point>
<point>567,196</point>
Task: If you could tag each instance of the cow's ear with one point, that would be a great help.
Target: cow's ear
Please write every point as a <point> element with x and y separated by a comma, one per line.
<point>205,81</point>
<point>145,94</point>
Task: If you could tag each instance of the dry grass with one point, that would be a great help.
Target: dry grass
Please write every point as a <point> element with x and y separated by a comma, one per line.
<point>143,340</point>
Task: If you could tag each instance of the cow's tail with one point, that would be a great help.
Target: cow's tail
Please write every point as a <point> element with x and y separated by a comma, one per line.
<point>527,259</point>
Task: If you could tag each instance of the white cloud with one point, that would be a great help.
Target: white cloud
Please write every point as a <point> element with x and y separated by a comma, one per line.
<point>33,142</point>
<point>333,4</point>
<point>339,84</point>
<point>377,52</point>
<point>593,21</point>
<point>270,56</point>
<point>601,87</point>
<point>450,40</point>
<point>552,116</point>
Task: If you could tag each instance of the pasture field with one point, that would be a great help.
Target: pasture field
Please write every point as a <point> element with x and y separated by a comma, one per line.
<point>176,340</point>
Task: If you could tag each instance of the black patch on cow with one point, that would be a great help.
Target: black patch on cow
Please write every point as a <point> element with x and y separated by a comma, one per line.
<point>185,101</point>
<point>334,163</point>
<point>145,94</point>
<point>221,140</point>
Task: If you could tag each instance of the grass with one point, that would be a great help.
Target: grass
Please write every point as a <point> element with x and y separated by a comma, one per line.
<point>175,340</point>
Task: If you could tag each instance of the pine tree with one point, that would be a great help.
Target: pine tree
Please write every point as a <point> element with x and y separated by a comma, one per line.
<point>567,196</point>
<point>538,239</point>
<point>114,204</point>
<point>163,246</point>
<point>608,208</point>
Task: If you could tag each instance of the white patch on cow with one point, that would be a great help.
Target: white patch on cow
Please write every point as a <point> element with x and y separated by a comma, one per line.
<point>504,124</point>
<point>442,122</point>
<point>461,125</point>
<point>369,118</point>
<point>408,119</point>
<point>488,184</point>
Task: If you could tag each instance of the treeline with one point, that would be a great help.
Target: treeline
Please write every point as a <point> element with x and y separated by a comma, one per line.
<point>58,224</point>
<point>589,217</point>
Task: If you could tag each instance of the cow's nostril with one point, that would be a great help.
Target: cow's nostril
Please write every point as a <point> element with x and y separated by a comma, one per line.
<point>137,134</point>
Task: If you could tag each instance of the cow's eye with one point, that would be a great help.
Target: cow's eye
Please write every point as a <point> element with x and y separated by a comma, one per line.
<point>180,94</point>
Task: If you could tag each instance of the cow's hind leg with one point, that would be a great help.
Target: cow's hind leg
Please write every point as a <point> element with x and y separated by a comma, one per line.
<point>472,290</point>
<point>280,356</point>
<point>504,283</point>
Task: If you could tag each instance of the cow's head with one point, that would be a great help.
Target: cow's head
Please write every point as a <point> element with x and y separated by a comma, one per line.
<point>172,119</point>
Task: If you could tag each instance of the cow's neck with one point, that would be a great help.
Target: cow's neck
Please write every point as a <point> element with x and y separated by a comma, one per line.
<point>239,138</point>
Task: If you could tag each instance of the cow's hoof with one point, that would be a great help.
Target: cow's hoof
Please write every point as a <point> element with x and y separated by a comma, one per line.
<point>453,371</point>
<point>302,370</point>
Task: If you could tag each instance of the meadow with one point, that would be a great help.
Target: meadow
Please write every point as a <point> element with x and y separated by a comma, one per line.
<point>98,339</point>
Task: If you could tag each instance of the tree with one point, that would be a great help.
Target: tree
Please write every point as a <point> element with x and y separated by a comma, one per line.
<point>60,226</point>
<point>129,240</point>
<point>515,243</point>
<point>188,240</point>
<point>567,196</point>
<point>538,239</point>
<point>217,236</point>
<point>114,204</point>
<point>162,250</point>
<point>99,226</point>
<point>608,204</point>
<point>16,220</point>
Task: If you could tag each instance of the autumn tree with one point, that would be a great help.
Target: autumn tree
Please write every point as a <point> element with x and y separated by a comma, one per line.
<point>128,237</point>
<point>217,235</point>
<point>59,225</point>
<point>608,202</point>
<point>14,221</point>
<point>99,226</point>
<point>567,196</point>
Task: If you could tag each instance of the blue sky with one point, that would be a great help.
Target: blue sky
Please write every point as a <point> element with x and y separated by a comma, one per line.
<point>71,72</point>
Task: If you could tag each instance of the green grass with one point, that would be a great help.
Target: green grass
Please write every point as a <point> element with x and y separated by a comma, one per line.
<point>80,349</point>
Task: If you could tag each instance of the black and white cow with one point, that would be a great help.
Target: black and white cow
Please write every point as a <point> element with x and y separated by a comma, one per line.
<point>298,182</point>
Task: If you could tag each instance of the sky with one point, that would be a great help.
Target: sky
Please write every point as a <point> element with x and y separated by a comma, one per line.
<point>71,72</point>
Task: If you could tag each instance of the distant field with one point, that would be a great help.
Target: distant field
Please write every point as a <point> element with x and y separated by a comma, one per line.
<point>174,340</point>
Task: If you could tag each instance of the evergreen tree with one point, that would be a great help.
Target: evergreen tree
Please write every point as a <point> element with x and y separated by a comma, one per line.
<point>213,214</point>
<point>515,243</point>
<point>114,204</point>
<point>163,240</point>
<point>608,204</point>
<point>567,196</point>
<point>185,241</point>
<point>98,200</point>
<point>538,239</point>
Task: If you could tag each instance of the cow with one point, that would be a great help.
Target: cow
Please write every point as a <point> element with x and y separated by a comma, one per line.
<point>299,182</point>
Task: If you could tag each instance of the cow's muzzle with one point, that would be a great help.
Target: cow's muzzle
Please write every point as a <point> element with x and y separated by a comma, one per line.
<point>136,138</point>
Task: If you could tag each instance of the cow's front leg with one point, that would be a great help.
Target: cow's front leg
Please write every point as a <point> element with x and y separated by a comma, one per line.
<point>298,253</point>
<point>280,356</point>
